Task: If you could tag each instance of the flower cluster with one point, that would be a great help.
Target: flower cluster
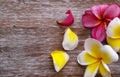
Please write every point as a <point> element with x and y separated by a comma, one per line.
<point>98,18</point>
<point>105,27</point>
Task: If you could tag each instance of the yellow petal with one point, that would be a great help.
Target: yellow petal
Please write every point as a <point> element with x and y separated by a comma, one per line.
<point>70,40</point>
<point>60,58</point>
<point>93,47</point>
<point>108,55</point>
<point>91,70</point>
<point>104,70</point>
<point>84,58</point>
<point>114,43</point>
<point>113,29</point>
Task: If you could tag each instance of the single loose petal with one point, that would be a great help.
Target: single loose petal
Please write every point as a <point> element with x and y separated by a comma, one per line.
<point>93,47</point>
<point>114,43</point>
<point>99,10</point>
<point>89,20</point>
<point>108,54</point>
<point>99,33</point>
<point>92,70</point>
<point>70,40</point>
<point>68,20</point>
<point>84,58</point>
<point>113,29</point>
<point>104,70</point>
<point>60,58</point>
<point>112,11</point>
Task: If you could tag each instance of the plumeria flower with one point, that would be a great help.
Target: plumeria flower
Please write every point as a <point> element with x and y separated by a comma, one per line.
<point>70,40</point>
<point>60,58</point>
<point>97,56</point>
<point>113,34</point>
<point>67,20</point>
<point>98,18</point>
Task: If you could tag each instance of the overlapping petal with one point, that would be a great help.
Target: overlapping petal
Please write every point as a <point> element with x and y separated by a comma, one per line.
<point>99,32</point>
<point>92,70</point>
<point>93,47</point>
<point>113,29</point>
<point>68,20</point>
<point>108,55</point>
<point>70,40</point>
<point>84,58</point>
<point>98,10</point>
<point>114,9</point>
<point>60,58</point>
<point>89,20</point>
<point>104,70</point>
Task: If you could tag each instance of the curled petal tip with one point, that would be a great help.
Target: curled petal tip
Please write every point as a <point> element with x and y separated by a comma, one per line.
<point>68,12</point>
<point>60,58</point>
<point>67,20</point>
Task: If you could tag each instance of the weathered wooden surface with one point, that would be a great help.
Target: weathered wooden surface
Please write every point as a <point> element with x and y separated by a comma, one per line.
<point>28,33</point>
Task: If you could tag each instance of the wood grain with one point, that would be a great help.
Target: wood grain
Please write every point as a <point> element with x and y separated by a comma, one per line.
<point>28,33</point>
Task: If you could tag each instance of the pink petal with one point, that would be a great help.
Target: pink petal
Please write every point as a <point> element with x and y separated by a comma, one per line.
<point>99,10</point>
<point>68,20</point>
<point>99,32</point>
<point>112,11</point>
<point>89,20</point>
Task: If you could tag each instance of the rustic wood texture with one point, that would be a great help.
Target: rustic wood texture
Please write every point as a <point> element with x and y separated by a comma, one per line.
<point>28,34</point>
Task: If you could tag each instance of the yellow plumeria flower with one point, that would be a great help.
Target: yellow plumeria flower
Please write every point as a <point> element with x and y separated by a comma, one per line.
<point>70,40</point>
<point>97,56</point>
<point>113,34</point>
<point>60,58</point>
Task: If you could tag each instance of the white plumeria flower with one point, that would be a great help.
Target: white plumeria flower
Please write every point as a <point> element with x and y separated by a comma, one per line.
<point>113,34</point>
<point>97,56</point>
<point>70,40</point>
<point>60,58</point>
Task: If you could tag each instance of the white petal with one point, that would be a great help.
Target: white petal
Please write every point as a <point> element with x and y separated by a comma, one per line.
<point>108,54</point>
<point>113,29</point>
<point>70,40</point>
<point>92,46</point>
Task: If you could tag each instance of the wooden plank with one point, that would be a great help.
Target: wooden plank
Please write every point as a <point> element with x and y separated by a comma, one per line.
<point>28,33</point>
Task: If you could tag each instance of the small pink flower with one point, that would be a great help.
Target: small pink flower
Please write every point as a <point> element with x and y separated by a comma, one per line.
<point>68,20</point>
<point>98,17</point>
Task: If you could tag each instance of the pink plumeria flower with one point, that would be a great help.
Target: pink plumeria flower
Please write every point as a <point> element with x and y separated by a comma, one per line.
<point>98,17</point>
